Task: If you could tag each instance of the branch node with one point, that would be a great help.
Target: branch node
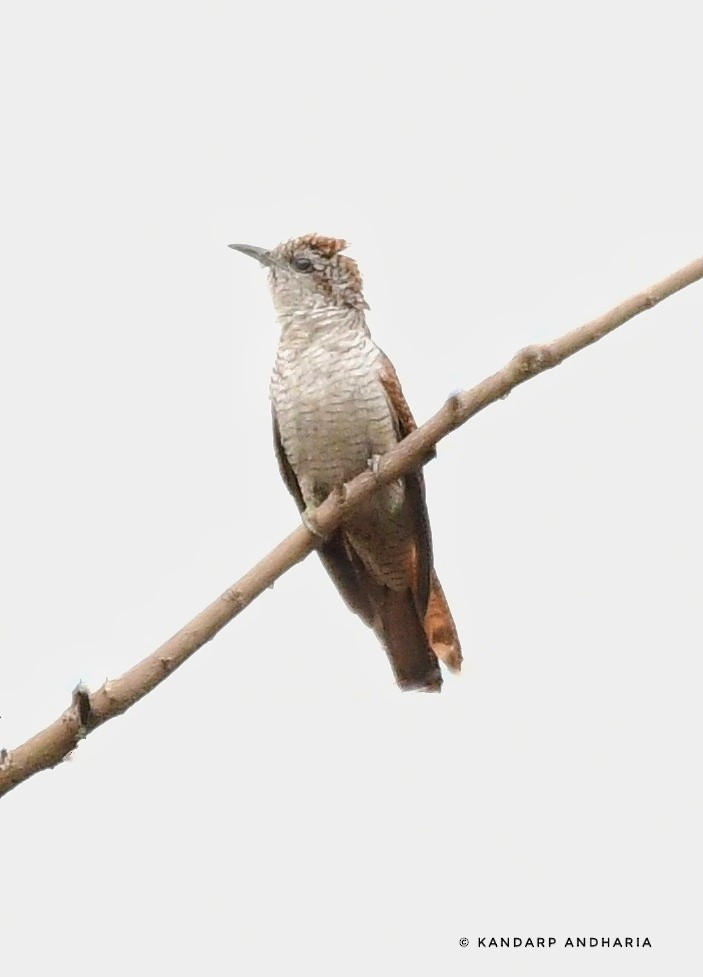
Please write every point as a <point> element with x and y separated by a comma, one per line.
<point>533,360</point>
<point>453,405</point>
<point>5,759</point>
<point>80,703</point>
<point>106,689</point>
<point>234,596</point>
<point>166,664</point>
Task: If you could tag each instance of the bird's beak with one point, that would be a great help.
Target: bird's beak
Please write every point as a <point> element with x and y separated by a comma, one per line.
<point>261,254</point>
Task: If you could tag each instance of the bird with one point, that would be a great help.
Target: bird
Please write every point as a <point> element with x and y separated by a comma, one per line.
<point>337,407</point>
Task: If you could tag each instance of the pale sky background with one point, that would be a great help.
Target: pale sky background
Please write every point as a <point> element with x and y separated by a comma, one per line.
<point>504,172</point>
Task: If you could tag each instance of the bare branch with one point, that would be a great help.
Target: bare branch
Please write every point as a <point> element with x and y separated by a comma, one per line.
<point>88,711</point>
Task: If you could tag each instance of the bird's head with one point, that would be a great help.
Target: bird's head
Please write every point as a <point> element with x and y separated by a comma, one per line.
<point>310,273</point>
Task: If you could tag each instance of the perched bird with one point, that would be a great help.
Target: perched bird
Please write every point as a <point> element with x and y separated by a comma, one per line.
<point>337,407</point>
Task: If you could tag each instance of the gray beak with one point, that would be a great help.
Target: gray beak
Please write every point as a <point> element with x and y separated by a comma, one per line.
<point>261,254</point>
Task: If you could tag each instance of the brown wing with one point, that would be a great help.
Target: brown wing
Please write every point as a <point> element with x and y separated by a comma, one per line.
<point>414,484</point>
<point>344,567</point>
<point>438,621</point>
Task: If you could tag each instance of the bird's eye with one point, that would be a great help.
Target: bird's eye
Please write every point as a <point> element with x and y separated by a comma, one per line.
<point>302,264</point>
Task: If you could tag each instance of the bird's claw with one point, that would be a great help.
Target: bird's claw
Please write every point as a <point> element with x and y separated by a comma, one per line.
<point>373,465</point>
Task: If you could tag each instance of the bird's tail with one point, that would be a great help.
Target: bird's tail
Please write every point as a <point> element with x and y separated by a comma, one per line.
<point>440,628</point>
<point>406,643</point>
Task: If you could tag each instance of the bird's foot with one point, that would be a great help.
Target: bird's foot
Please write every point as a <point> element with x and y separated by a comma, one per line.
<point>373,465</point>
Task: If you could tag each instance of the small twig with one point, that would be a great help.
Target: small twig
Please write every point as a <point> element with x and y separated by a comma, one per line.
<point>87,712</point>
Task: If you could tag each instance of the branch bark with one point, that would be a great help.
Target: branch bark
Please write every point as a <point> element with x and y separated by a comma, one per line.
<point>87,710</point>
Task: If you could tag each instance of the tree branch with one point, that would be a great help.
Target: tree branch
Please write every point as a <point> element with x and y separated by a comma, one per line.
<point>88,711</point>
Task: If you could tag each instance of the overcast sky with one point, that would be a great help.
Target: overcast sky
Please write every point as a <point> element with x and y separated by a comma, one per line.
<point>504,173</point>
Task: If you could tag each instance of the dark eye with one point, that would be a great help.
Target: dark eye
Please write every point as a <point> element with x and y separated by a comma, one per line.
<point>302,264</point>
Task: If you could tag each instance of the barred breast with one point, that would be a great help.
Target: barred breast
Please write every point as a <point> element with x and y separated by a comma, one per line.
<point>332,411</point>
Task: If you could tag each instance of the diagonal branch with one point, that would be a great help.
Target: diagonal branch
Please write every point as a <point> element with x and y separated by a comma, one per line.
<point>88,711</point>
